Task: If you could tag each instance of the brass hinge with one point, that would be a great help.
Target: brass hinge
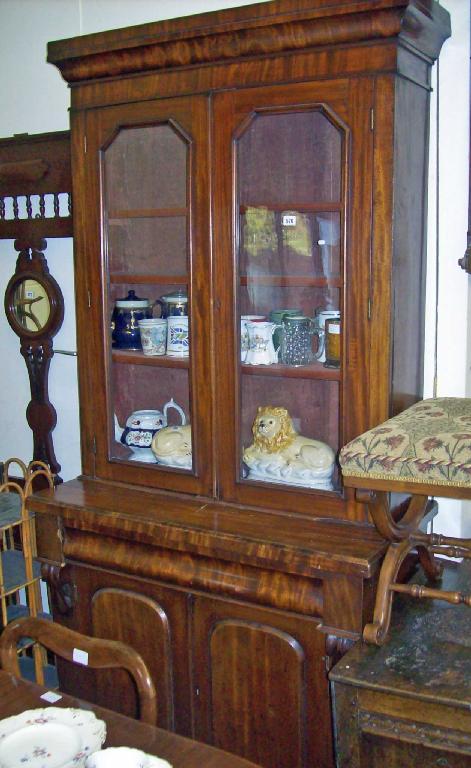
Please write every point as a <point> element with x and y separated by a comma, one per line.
<point>372,119</point>
<point>94,445</point>
<point>369,308</point>
<point>89,299</point>
<point>85,145</point>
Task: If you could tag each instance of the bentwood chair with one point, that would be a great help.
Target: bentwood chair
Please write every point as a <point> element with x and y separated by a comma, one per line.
<point>92,652</point>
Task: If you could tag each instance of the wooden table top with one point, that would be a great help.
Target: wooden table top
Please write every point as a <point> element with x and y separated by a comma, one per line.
<point>18,695</point>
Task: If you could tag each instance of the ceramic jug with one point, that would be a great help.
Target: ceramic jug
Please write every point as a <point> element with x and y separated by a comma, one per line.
<point>261,350</point>
<point>244,335</point>
<point>141,426</point>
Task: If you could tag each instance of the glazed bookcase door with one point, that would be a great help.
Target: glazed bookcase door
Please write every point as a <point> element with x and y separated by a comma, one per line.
<point>148,164</point>
<point>294,154</point>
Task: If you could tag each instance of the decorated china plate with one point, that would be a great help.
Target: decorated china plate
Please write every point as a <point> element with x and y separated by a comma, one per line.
<point>50,738</point>
<point>124,757</point>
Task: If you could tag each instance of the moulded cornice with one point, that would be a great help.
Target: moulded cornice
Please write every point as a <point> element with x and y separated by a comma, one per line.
<point>276,27</point>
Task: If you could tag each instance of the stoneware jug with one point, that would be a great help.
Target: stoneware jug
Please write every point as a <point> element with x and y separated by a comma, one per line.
<point>141,426</point>
<point>261,350</point>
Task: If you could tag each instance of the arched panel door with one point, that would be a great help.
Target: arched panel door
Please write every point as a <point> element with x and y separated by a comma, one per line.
<point>294,165</point>
<point>142,623</point>
<point>261,685</point>
<point>147,261</point>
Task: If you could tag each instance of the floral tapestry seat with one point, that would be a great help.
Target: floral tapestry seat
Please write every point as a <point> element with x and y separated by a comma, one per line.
<point>424,451</point>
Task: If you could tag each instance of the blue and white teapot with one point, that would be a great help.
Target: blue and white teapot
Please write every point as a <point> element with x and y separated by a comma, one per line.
<point>141,426</point>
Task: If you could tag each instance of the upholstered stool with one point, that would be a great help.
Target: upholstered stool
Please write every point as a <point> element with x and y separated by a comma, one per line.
<point>424,451</point>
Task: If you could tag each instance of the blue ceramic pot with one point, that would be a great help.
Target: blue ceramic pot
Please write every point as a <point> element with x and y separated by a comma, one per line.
<point>125,321</point>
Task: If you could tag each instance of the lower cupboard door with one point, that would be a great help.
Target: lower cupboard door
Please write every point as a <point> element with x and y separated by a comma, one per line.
<point>260,685</point>
<point>143,623</point>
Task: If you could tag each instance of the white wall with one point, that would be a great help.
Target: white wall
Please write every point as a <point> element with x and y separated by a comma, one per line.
<point>450,210</point>
<point>34,99</point>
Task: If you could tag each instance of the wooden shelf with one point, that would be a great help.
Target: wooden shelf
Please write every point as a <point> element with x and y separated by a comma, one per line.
<point>313,371</point>
<point>299,207</point>
<point>300,281</point>
<point>139,279</point>
<point>10,510</point>
<point>270,280</point>
<point>135,357</point>
<point>146,213</point>
<point>14,571</point>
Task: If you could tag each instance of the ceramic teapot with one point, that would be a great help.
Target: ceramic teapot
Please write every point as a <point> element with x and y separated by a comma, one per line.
<point>141,426</point>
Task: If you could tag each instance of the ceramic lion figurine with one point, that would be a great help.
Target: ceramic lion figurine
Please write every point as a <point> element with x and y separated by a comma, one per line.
<point>172,446</point>
<point>279,455</point>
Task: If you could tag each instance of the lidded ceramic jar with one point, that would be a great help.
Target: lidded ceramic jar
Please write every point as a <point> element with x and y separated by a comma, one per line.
<point>173,304</point>
<point>125,321</point>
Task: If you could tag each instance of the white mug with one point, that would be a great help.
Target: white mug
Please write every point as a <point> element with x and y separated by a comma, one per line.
<point>153,336</point>
<point>178,341</point>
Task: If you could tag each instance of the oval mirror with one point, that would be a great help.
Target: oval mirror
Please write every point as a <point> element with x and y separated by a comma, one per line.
<point>31,305</point>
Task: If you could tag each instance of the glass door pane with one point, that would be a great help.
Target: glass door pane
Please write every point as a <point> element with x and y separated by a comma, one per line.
<point>290,194</point>
<point>146,217</point>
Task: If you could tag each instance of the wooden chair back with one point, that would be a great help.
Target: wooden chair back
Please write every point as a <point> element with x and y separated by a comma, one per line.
<point>93,652</point>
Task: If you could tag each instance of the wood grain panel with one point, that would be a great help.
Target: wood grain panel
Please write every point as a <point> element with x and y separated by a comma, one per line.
<point>119,614</point>
<point>246,660</point>
<point>378,751</point>
<point>266,587</point>
<point>234,34</point>
<point>290,544</point>
<point>261,685</point>
<point>153,619</point>
<point>343,598</point>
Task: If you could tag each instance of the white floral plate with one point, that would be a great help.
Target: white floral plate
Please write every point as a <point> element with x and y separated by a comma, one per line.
<point>50,738</point>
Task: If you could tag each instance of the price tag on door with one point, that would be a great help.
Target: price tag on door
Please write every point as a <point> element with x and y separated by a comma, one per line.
<point>288,220</point>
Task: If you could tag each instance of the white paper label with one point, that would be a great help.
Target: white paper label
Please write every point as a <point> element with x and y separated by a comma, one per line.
<point>51,697</point>
<point>80,657</point>
<point>288,220</point>
<point>334,329</point>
